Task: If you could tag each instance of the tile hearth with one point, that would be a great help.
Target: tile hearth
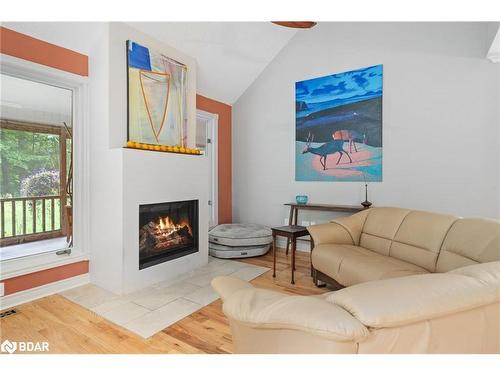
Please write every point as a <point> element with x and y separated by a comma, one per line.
<point>152,309</point>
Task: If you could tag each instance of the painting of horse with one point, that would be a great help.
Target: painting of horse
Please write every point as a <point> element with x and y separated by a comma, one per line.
<point>338,126</point>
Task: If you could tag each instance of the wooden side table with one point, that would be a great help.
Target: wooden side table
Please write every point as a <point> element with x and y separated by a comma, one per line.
<point>295,207</point>
<point>291,232</point>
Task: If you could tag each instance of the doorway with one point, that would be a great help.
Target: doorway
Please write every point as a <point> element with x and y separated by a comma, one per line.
<point>206,140</point>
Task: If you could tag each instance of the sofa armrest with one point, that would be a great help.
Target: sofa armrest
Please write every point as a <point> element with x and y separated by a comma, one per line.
<point>266,309</point>
<point>343,230</point>
<point>330,233</point>
<point>405,300</point>
<point>225,286</point>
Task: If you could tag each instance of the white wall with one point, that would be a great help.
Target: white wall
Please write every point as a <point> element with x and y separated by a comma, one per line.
<point>105,232</point>
<point>151,177</point>
<point>122,179</point>
<point>81,37</point>
<point>105,173</point>
<point>440,122</point>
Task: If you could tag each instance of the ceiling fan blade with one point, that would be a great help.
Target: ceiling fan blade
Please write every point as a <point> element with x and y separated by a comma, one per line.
<point>295,24</point>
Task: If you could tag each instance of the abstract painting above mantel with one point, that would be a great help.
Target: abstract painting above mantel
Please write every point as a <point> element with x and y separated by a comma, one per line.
<point>338,134</point>
<point>157,109</point>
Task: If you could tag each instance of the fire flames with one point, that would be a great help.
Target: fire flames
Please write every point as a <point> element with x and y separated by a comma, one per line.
<point>164,233</point>
<point>166,226</point>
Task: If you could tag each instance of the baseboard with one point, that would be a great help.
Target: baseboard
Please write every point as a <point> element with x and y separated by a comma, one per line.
<point>304,246</point>
<point>29,295</point>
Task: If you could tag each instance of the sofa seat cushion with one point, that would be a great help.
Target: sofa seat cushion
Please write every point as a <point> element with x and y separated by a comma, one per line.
<point>350,265</point>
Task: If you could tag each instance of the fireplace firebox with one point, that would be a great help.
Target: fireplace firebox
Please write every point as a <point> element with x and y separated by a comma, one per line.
<point>167,231</point>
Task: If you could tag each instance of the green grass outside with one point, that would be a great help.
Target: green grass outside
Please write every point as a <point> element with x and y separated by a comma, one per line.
<point>29,217</point>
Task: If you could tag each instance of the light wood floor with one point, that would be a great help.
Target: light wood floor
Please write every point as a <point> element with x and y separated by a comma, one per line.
<point>70,328</point>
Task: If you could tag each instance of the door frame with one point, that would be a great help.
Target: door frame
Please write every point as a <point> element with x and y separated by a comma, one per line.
<point>212,122</point>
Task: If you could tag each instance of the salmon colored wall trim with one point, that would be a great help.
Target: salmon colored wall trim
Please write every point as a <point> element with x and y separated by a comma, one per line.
<point>32,280</point>
<point>224,139</point>
<point>28,48</point>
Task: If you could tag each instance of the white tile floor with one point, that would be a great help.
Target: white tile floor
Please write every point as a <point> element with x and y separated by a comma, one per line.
<point>152,309</point>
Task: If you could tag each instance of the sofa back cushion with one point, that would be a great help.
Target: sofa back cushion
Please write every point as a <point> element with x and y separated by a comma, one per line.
<point>380,227</point>
<point>470,241</point>
<point>406,300</point>
<point>419,238</point>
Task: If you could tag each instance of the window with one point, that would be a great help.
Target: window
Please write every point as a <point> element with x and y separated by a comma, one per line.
<point>36,168</point>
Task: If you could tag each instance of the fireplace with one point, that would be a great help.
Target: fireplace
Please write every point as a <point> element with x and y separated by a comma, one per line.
<point>167,231</point>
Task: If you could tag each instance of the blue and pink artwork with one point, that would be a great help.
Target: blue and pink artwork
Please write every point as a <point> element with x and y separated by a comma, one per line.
<point>339,127</point>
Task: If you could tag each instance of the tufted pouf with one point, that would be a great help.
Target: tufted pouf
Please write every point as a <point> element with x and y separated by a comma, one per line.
<point>239,240</point>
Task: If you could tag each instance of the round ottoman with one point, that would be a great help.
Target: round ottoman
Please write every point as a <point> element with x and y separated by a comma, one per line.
<point>239,240</point>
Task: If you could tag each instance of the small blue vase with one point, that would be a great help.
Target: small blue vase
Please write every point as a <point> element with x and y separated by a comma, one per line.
<point>301,199</point>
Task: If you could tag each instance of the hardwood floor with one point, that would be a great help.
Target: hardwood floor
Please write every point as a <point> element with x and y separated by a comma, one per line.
<point>70,328</point>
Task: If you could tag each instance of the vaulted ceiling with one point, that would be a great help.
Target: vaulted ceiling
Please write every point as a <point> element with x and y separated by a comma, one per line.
<point>230,55</point>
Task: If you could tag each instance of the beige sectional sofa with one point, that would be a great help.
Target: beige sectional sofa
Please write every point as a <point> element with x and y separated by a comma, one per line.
<point>417,282</point>
<point>387,242</point>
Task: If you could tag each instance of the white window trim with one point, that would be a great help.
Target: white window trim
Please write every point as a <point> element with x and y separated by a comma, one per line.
<point>78,85</point>
<point>213,120</point>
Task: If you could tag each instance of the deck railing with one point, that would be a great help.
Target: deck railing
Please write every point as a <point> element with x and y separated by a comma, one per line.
<point>30,219</point>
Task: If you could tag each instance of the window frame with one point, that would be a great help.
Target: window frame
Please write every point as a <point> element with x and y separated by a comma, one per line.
<point>79,86</point>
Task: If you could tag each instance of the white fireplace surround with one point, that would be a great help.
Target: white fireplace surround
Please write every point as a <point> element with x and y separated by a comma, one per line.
<point>123,179</point>
<point>179,181</point>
